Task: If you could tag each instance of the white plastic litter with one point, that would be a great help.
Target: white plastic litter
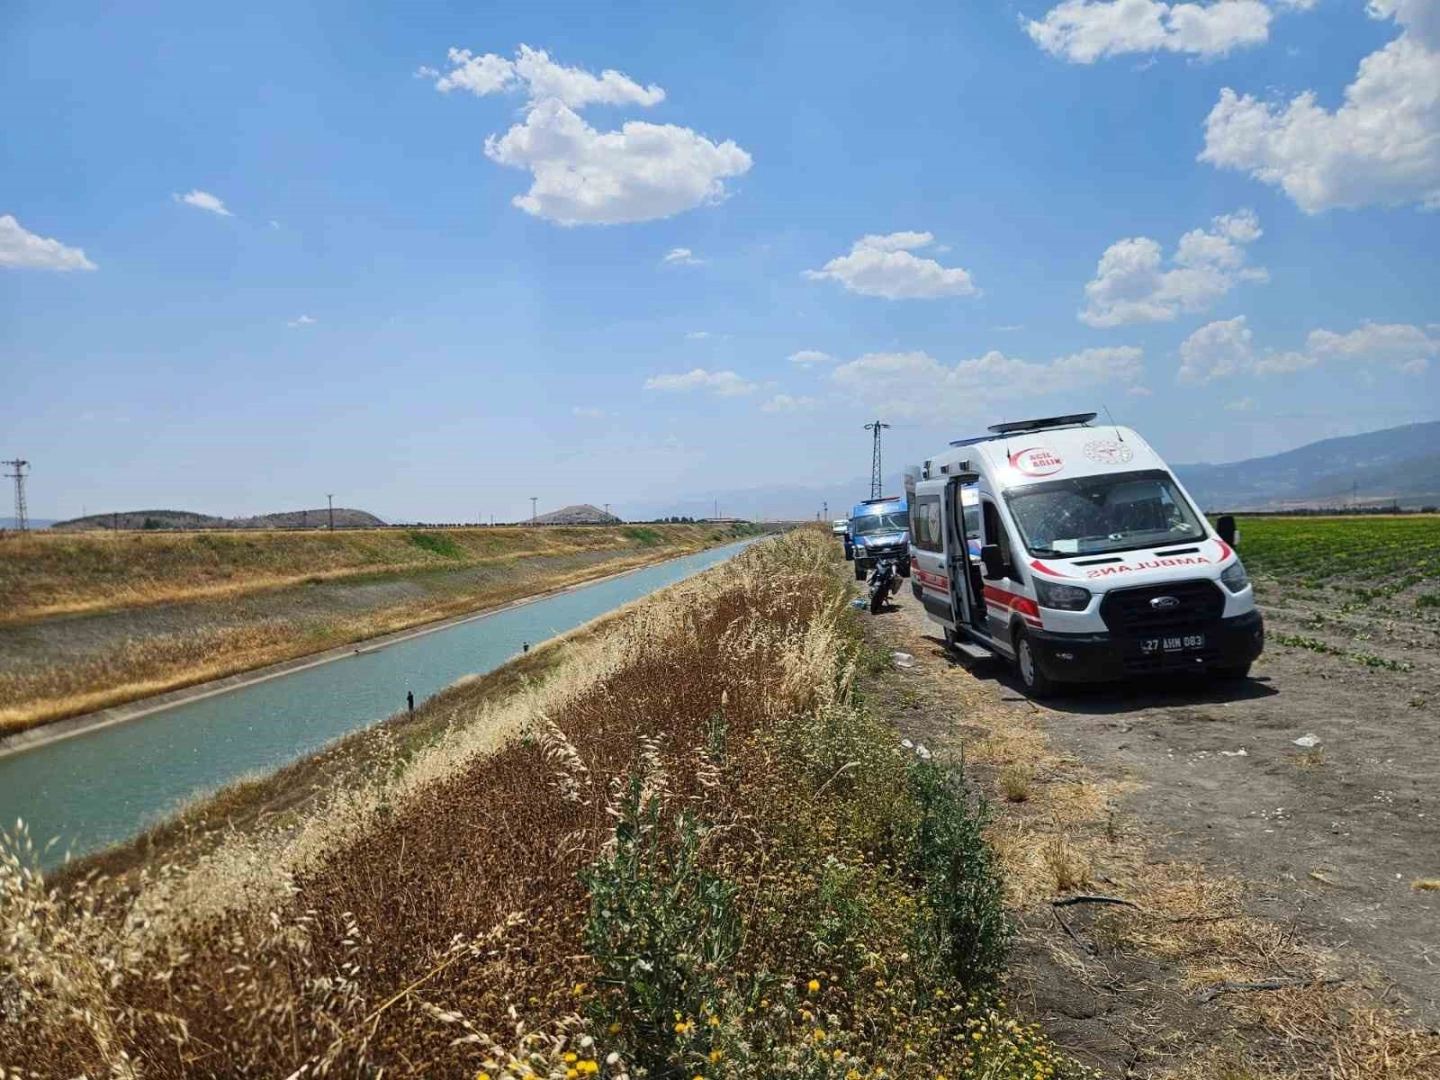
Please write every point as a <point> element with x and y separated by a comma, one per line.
<point>903,659</point>
<point>1307,741</point>
<point>1234,753</point>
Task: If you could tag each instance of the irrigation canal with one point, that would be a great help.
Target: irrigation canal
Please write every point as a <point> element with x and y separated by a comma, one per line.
<point>104,786</point>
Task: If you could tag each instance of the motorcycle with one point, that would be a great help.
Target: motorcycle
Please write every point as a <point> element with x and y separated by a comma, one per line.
<point>884,582</point>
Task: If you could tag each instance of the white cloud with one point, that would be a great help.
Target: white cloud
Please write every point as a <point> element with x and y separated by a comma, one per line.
<point>303,320</point>
<point>698,335</point>
<point>1381,146</point>
<point>1225,348</point>
<point>1216,350</point>
<point>582,176</point>
<point>1140,391</point>
<point>21,249</point>
<point>1132,286</point>
<point>639,173</point>
<point>784,403</point>
<point>720,383</point>
<point>1083,31</point>
<point>810,357</point>
<point>916,384</point>
<point>203,200</point>
<point>588,412</point>
<point>541,77</point>
<point>1244,404</point>
<point>1008,328</point>
<point>886,266</point>
<point>1408,349</point>
<point>681,257</point>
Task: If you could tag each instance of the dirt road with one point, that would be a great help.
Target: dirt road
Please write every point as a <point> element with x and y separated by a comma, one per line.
<point>1252,858</point>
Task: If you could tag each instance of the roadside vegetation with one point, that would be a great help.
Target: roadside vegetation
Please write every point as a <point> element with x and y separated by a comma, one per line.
<point>686,849</point>
<point>92,620</point>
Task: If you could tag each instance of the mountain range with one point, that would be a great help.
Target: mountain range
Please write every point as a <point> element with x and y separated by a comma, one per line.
<point>1379,468</point>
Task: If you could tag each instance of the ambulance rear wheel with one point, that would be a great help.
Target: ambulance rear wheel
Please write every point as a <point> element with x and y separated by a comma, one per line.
<point>859,571</point>
<point>1037,684</point>
<point>1231,673</point>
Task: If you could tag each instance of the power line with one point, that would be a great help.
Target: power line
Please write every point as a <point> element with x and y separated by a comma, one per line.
<point>533,500</point>
<point>331,499</point>
<point>875,472</point>
<point>22,513</point>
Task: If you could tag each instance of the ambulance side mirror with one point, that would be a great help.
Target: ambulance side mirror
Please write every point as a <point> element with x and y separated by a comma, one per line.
<point>1225,529</point>
<point>992,561</point>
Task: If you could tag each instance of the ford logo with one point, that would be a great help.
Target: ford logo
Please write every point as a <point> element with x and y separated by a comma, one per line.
<point>1165,603</point>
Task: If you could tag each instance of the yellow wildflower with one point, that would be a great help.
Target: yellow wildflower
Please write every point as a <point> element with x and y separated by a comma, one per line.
<point>579,989</point>
<point>819,1035</point>
<point>813,986</point>
<point>716,1055</point>
<point>570,1059</point>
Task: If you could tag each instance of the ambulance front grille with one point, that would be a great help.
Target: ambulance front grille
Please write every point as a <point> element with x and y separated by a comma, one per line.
<point>1129,612</point>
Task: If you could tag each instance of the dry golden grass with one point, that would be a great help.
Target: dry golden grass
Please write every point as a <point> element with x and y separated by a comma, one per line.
<point>1426,884</point>
<point>140,667</point>
<point>1015,781</point>
<point>45,574</point>
<point>446,874</point>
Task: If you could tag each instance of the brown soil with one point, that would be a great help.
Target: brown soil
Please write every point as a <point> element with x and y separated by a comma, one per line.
<point>1278,863</point>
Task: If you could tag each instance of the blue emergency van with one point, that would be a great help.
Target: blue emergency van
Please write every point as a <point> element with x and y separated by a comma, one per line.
<point>879,529</point>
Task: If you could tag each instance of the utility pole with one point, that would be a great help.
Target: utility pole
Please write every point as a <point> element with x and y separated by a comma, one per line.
<point>825,510</point>
<point>607,510</point>
<point>331,499</point>
<point>533,500</point>
<point>875,476</point>
<point>22,513</point>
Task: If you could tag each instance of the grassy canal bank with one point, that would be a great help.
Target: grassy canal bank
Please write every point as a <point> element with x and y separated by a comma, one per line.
<point>93,620</point>
<point>681,846</point>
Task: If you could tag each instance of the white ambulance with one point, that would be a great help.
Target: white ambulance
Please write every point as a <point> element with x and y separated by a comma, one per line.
<point>1071,550</point>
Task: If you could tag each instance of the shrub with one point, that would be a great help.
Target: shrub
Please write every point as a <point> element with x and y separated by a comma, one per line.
<point>968,927</point>
<point>662,933</point>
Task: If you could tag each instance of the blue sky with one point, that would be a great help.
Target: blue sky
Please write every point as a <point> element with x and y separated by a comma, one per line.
<point>973,211</point>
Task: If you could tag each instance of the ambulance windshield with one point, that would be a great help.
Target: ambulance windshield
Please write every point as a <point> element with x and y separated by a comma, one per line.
<point>897,521</point>
<point>1095,514</point>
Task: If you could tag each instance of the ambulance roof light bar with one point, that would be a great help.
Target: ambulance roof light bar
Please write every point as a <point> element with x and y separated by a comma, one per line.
<point>1043,424</point>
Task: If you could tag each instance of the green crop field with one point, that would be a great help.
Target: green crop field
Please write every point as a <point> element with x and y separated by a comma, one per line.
<point>1383,555</point>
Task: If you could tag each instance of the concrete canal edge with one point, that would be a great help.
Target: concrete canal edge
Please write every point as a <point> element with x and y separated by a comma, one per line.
<point>31,738</point>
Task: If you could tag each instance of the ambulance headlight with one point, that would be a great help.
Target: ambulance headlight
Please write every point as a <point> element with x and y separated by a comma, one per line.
<point>1061,597</point>
<point>1234,577</point>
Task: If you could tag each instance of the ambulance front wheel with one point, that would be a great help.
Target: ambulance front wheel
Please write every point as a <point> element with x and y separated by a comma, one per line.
<point>1231,672</point>
<point>859,570</point>
<point>1037,684</point>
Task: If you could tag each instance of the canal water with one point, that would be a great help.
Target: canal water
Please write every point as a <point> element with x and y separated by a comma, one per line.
<point>101,787</point>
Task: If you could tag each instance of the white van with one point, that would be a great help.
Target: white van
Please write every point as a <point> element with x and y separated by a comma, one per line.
<point>1072,550</point>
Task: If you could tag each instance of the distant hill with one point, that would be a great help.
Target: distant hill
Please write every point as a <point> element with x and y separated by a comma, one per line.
<point>1400,464</point>
<point>35,523</point>
<point>580,514</point>
<point>185,519</point>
